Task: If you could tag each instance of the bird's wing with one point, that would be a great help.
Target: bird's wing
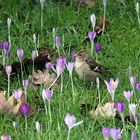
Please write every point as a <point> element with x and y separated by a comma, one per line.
<point>95,66</point>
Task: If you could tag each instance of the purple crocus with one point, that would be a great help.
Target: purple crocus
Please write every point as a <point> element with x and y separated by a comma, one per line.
<point>132,109</point>
<point>70,121</point>
<point>92,36</point>
<point>17,94</point>
<point>47,94</point>
<point>48,65</point>
<point>106,132</point>
<point>60,65</point>
<point>73,54</point>
<point>8,69</point>
<point>57,41</point>
<point>133,136</point>
<point>97,48</point>
<point>70,67</point>
<point>115,134</point>
<point>25,83</point>
<point>120,106</point>
<point>8,54</point>
<point>133,81</point>
<point>5,45</point>
<point>112,86</point>
<point>25,109</point>
<point>20,53</point>
<point>138,86</point>
<point>128,95</point>
<point>5,137</point>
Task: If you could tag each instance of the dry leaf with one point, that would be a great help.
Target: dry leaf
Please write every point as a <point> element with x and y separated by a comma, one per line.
<point>45,78</point>
<point>86,3</point>
<point>105,111</point>
<point>11,105</point>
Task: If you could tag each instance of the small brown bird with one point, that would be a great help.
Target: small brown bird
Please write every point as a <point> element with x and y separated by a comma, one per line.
<point>87,68</point>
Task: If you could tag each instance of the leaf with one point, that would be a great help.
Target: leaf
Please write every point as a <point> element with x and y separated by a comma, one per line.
<point>105,111</point>
<point>86,3</point>
<point>39,78</point>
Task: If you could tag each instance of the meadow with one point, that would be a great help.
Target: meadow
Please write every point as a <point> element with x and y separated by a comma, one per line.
<point>120,43</point>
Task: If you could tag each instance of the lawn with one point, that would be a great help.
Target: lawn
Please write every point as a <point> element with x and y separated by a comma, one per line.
<point>120,50</point>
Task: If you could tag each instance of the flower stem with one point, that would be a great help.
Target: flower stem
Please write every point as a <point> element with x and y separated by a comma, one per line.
<point>61,84</point>
<point>9,38</point>
<point>21,70</point>
<point>68,137</point>
<point>53,82</point>
<point>8,85</point>
<point>41,20</point>
<point>45,107</point>
<point>92,45</point>
<point>73,93</point>
<point>49,108</point>
<point>104,19</point>
<point>26,126</point>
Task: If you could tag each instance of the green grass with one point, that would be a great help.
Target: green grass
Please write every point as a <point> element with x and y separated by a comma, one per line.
<point>120,50</point>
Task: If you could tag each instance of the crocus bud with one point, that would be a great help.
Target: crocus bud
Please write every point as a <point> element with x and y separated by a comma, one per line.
<point>20,53</point>
<point>97,48</point>
<point>57,41</point>
<point>106,132</point>
<point>91,35</point>
<point>25,109</point>
<point>34,38</point>
<point>104,2</point>
<point>34,55</point>
<point>70,67</point>
<point>42,2</point>
<point>137,8</point>
<point>48,65</point>
<point>133,136</point>
<point>25,83</point>
<point>8,69</point>
<point>5,46</point>
<point>38,129</point>
<point>9,22</point>
<point>93,20</point>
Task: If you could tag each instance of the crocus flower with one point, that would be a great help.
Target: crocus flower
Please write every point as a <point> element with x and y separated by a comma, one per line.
<point>42,2</point>
<point>5,46</point>
<point>17,94</point>
<point>73,54</point>
<point>132,108</point>
<point>106,132</point>
<point>133,136</point>
<point>37,124</point>
<point>91,35</point>
<point>133,81</point>
<point>115,133</point>
<point>70,121</point>
<point>8,69</point>
<point>112,86</point>
<point>93,20</point>
<point>70,67</point>
<point>47,94</point>
<point>48,65</point>
<point>25,83</point>
<point>104,2</point>
<point>138,86</point>
<point>20,53</point>
<point>120,106</point>
<point>128,95</point>
<point>60,65</point>
<point>57,41</point>
<point>34,55</point>
<point>25,109</point>
<point>97,48</point>
<point>5,137</point>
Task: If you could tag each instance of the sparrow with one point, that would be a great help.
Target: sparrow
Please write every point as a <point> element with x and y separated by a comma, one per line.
<point>86,68</point>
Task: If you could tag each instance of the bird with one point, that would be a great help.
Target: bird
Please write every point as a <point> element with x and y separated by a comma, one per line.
<point>86,68</point>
